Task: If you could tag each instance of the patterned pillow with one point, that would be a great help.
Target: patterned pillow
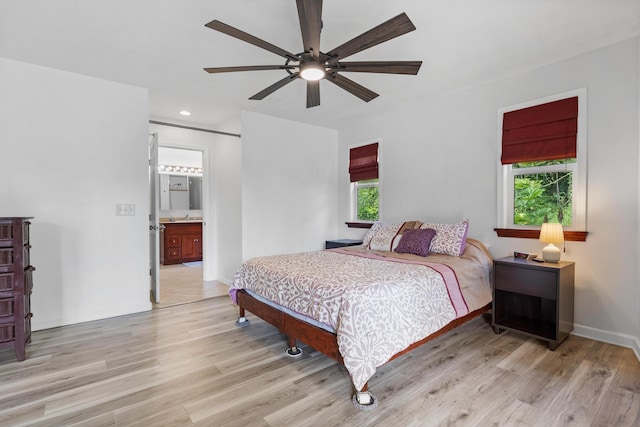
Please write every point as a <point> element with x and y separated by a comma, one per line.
<point>416,241</point>
<point>386,237</point>
<point>373,230</point>
<point>450,239</point>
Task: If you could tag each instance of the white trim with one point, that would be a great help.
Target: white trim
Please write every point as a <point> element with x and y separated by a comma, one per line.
<point>609,337</point>
<point>580,195</point>
<point>637,338</point>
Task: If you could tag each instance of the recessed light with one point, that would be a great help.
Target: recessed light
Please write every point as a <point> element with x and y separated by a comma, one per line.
<point>185,113</point>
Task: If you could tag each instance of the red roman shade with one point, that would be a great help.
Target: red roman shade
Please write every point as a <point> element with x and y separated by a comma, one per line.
<point>363,162</point>
<point>542,132</point>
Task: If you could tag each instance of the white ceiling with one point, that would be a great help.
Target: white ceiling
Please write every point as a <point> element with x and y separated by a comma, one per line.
<point>163,45</point>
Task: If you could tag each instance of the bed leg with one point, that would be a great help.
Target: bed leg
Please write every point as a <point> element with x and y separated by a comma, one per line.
<point>242,321</point>
<point>293,350</point>
<point>364,399</point>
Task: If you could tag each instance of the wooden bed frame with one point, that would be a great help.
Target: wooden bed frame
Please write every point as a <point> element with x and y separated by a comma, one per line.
<point>325,341</point>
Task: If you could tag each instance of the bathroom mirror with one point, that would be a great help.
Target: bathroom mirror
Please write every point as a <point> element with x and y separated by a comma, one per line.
<point>180,192</point>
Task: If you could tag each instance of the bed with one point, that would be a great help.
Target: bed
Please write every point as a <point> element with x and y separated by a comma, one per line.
<point>366,305</point>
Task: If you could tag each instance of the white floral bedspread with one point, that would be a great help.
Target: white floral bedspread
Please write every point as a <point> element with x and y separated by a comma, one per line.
<point>378,306</point>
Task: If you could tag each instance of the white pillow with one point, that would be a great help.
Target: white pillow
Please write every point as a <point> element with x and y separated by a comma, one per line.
<point>371,232</point>
<point>386,237</point>
<point>450,239</point>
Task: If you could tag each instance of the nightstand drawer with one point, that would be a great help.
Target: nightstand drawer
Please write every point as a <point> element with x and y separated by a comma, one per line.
<point>537,283</point>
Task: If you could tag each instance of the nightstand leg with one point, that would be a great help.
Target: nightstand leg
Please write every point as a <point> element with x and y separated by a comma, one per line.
<point>498,330</point>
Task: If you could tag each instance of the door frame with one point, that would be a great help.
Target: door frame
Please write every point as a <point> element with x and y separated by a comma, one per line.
<point>207,223</point>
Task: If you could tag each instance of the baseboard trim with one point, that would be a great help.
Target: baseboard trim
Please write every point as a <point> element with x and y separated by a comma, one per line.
<point>622,340</point>
<point>224,280</point>
<point>82,317</point>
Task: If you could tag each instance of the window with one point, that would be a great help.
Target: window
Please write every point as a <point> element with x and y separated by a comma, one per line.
<point>542,192</point>
<point>363,172</point>
<point>543,163</point>
<point>365,200</point>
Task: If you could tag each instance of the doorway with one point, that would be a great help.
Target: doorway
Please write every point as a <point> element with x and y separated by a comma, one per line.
<point>180,215</point>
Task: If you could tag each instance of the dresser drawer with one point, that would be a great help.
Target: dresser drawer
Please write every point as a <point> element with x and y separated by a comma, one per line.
<point>28,279</point>
<point>6,282</point>
<point>6,257</point>
<point>26,255</point>
<point>27,328</point>
<point>6,231</point>
<point>6,307</point>
<point>25,232</point>
<point>537,283</point>
<point>27,304</point>
<point>7,332</point>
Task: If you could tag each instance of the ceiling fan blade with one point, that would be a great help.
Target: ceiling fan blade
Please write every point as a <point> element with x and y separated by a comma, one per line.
<point>313,93</point>
<point>277,85</point>
<point>352,87</point>
<point>391,67</point>
<point>388,30</point>
<point>248,68</point>
<point>239,34</point>
<point>310,15</point>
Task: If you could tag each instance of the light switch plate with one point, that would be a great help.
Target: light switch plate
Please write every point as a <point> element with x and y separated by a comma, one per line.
<point>125,209</point>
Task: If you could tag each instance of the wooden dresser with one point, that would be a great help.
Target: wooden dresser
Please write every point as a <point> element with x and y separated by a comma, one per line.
<point>181,242</point>
<point>15,284</point>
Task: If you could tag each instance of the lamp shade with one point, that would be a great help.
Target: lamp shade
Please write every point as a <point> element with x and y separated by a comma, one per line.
<point>551,232</point>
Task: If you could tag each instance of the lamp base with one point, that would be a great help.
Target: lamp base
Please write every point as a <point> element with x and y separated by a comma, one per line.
<point>551,253</point>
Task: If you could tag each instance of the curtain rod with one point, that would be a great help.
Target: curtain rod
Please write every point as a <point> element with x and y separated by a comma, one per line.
<point>237,135</point>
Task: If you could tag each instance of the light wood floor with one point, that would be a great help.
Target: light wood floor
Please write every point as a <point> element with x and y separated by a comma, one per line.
<point>190,365</point>
<point>180,284</point>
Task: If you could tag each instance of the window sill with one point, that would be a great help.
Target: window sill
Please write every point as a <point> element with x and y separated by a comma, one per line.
<point>571,236</point>
<point>359,224</point>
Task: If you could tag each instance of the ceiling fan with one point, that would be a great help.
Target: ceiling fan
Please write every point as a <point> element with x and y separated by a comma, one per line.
<point>313,65</point>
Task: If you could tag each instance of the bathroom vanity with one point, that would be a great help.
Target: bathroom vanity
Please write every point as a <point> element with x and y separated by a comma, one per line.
<point>180,241</point>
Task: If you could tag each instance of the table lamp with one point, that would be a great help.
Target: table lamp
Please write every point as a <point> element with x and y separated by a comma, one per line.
<point>551,233</point>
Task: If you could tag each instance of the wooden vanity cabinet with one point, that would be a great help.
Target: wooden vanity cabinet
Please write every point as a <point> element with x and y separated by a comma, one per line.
<point>181,242</point>
<point>15,284</point>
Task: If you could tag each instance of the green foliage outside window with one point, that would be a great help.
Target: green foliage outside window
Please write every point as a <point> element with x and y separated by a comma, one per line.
<point>368,198</point>
<point>540,197</point>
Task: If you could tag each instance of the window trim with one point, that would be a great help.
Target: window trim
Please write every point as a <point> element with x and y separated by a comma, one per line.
<point>505,172</point>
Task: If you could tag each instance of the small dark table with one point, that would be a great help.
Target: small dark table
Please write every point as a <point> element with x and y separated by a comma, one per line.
<point>533,298</point>
<point>341,243</point>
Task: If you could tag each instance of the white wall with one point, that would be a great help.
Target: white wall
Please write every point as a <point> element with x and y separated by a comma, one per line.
<point>221,196</point>
<point>289,181</point>
<point>439,160</point>
<point>71,148</point>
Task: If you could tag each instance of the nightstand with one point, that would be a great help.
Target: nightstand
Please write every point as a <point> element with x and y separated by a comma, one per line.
<point>341,243</point>
<point>533,298</point>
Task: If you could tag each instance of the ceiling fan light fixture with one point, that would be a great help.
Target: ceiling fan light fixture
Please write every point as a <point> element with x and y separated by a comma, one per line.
<point>312,71</point>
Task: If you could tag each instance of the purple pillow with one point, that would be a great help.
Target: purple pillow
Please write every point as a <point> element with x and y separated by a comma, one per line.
<point>416,241</point>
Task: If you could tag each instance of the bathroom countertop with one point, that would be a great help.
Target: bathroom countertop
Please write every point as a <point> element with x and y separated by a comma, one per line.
<point>194,220</point>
